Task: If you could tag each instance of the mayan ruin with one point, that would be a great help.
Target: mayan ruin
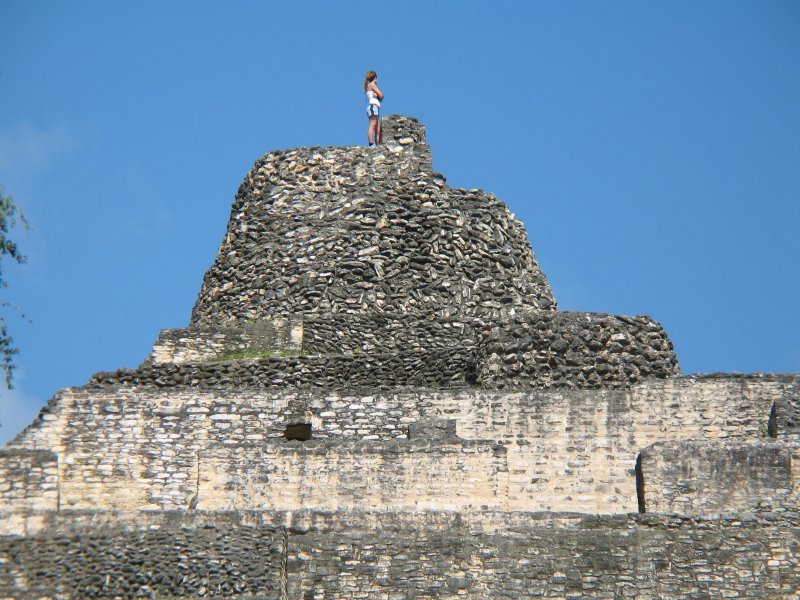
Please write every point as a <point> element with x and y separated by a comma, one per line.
<point>377,396</point>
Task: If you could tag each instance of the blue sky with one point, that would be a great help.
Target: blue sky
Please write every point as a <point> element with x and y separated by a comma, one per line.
<point>652,149</point>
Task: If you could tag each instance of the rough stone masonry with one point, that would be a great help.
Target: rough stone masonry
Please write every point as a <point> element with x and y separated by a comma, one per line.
<point>376,397</point>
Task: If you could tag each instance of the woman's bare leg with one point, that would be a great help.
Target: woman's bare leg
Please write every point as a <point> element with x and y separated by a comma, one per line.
<point>379,137</point>
<point>372,131</point>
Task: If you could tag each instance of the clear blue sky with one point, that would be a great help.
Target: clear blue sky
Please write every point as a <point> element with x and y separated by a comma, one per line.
<point>652,149</point>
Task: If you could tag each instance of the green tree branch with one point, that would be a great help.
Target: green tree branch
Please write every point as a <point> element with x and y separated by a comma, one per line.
<point>10,217</point>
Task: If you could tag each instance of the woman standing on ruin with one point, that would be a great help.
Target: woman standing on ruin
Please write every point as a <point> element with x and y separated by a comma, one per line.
<point>374,97</point>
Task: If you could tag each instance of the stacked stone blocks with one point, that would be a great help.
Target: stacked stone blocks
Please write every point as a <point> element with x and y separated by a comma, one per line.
<point>376,397</point>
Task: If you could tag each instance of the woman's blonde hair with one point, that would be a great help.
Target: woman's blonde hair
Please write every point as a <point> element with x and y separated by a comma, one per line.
<point>371,75</point>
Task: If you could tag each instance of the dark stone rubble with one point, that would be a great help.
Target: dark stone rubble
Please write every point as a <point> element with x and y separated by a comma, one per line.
<point>359,230</point>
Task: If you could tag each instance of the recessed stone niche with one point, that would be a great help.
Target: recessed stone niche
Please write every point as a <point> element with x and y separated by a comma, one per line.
<point>298,431</point>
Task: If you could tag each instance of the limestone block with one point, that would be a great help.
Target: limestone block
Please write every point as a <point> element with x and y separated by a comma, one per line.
<point>393,476</point>
<point>198,344</point>
<point>698,477</point>
<point>137,447</point>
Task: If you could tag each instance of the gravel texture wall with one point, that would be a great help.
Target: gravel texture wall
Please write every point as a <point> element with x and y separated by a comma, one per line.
<point>358,250</point>
<point>358,230</point>
<point>536,349</point>
<point>314,334</point>
<point>573,349</point>
<point>161,556</point>
<point>441,555</point>
<point>558,556</point>
<point>387,333</point>
<point>702,477</point>
<point>443,368</point>
<point>786,417</point>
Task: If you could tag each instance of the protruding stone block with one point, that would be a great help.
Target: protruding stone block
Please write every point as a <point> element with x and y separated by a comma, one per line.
<point>701,477</point>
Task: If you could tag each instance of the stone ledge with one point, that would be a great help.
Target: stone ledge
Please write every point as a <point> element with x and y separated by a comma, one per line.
<point>82,521</point>
<point>700,477</point>
<point>436,369</point>
<point>401,475</point>
<point>364,554</point>
<point>309,334</point>
<point>31,457</point>
<point>201,344</point>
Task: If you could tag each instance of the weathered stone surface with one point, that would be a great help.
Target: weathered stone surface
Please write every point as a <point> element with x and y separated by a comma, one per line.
<point>443,368</point>
<point>377,380</point>
<point>28,479</point>
<point>398,475</point>
<point>336,251</point>
<point>161,556</point>
<point>701,477</point>
<point>315,334</point>
<point>786,416</point>
<point>573,349</point>
<point>145,447</point>
<point>359,231</point>
<point>427,555</point>
<point>202,344</point>
<point>538,349</point>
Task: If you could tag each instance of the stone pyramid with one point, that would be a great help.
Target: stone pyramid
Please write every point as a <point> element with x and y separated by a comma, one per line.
<point>376,397</point>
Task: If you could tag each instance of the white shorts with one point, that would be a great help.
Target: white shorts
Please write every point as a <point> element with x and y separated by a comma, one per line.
<point>374,110</point>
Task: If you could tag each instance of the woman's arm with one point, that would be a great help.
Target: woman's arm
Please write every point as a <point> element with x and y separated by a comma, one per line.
<point>375,89</point>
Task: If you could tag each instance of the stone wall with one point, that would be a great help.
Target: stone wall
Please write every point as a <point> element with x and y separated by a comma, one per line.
<point>549,556</point>
<point>315,334</point>
<point>786,417</point>
<point>143,447</point>
<point>387,333</point>
<point>150,556</point>
<point>200,344</point>
<point>425,555</point>
<point>444,368</point>
<point>574,349</point>
<point>28,480</point>
<point>541,349</point>
<point>383,350</point>
<point>389,476</point>
<point>367,250</point>
<point>699,477</point>
<point>362,231</point>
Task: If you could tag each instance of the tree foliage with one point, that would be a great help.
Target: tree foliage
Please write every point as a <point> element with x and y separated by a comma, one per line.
<point>10,217</point>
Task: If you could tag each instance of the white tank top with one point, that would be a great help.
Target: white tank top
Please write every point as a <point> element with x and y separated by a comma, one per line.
<point>372,98</point>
